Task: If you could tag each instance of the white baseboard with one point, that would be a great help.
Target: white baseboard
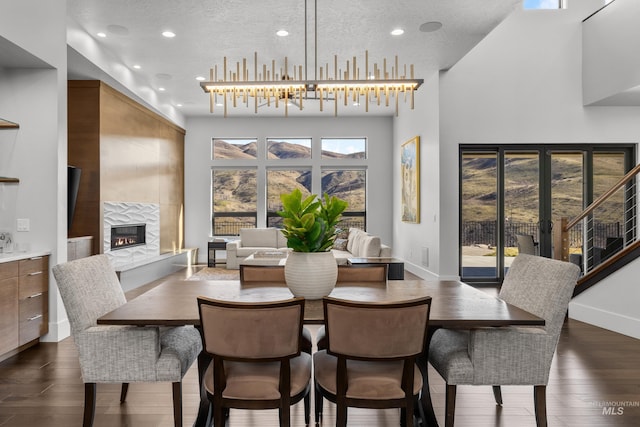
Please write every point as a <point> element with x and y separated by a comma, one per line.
<point>605,319</point>
<point>57,331</point>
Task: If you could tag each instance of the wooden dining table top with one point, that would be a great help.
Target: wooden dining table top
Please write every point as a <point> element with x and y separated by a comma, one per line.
<point>454,304</point>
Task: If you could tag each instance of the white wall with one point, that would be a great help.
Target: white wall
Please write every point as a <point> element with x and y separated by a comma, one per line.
<point>411,241</point>
<point>522,84</point>
<point>611,62</point>
<point>37,100</point>
<point>200,130</point>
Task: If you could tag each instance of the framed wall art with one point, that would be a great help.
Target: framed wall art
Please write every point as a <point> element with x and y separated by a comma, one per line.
<point>410,169</point>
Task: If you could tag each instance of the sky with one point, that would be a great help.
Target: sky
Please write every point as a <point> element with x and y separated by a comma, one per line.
<point>541,4</point>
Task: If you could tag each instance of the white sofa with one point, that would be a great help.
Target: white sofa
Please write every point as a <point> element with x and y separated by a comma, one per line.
<point>252,240</point>
<point>359,244</point>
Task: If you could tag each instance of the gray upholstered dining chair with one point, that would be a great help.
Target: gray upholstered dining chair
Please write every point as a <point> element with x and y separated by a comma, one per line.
<point>510,355</point>
<point>119,354</point>
<point>257,358</point>
<point>370,360</point>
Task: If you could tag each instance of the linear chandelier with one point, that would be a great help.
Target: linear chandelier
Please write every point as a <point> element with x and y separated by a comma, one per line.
<point>268,85</point>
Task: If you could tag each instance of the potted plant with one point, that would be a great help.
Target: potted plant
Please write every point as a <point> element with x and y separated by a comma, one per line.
<point>309,225</point>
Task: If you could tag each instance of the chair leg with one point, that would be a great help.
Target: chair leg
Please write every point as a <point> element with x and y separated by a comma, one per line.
<point>341,414</point>
<point>450,405</point>
<point>89,404</point>
<point>285,416</point>
<point>307,409</point>
<point>540,401</point>
<point>318,404</point>
<point>123,392</point>
<point>177,403</point>
<point>497,394</point>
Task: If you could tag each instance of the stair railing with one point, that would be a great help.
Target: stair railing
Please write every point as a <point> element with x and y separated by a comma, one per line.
<point>599,238</point>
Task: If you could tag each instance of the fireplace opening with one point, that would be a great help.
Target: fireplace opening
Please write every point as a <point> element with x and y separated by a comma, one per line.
<point>126,236</point>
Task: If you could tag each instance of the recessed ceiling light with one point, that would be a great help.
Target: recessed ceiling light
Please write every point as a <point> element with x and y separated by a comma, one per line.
<point>161,89</point>
<point>168,34</point>
<point>178,105</point>
<point>101,34</point>
<point>200,79</point>
<point>429,27</point>
<point>137,67</point>
<point>282,33</point>
<point>397,32</point>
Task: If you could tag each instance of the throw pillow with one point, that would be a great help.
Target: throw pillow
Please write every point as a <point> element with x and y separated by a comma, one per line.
<point>340,244</point>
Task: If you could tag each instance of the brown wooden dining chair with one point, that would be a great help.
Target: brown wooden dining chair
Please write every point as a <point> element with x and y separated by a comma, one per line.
<point>368,274</point>
<point>257,361</point>
<point>370,357</point>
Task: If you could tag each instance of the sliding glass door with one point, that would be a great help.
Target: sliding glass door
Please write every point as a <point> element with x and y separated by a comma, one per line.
<point>512,193</point>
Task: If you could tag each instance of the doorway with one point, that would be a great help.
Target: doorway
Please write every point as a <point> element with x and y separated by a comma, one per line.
<point>512,192</point>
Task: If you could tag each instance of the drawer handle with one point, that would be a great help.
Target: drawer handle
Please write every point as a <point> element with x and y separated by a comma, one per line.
<point>35,317</point>
<point>35,273</point>
<point>35,258</point>
<point>35,295</point>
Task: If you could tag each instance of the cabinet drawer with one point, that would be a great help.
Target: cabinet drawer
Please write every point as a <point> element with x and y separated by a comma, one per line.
<point>33,318</point>
<point>8,269</point>
<point>34,283</point>
<point>33,265</point>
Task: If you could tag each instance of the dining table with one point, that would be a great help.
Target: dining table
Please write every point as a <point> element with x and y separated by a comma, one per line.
<point>454,305</point>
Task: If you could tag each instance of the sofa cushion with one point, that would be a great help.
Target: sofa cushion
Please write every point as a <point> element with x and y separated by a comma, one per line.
<point>358,242</point>
<point>259,237</point>
<point>341,256</point>
<point>281,240</point>
<point>369,247</point>
<point>352,238</point>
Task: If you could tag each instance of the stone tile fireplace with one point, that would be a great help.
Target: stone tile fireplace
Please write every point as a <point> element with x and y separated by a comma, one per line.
<point>131,231</point>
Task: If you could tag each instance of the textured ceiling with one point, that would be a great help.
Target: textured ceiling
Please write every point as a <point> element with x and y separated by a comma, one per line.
<point>208,30</point>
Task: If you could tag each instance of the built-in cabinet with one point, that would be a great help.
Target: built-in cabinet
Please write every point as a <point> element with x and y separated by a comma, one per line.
<point>5,124</point>
<point>24,308</point>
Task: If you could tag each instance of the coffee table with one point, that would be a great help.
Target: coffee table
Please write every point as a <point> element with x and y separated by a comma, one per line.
<point>263,261</point>
<point>395,267</point>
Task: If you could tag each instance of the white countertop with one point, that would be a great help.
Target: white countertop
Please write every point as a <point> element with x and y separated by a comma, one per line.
<point>17,256</point>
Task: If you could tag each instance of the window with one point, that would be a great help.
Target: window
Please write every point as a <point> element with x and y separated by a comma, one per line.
<point>349,185</point>
<point>248,175</point>
<point>543,4</point>
<point>288,148</point>
<point>344,148</point>
<point>235,200</point>
<point>284,181</point>
<point>234,148</point>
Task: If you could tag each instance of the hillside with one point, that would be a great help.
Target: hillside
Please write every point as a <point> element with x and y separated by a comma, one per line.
<point>521,195</point>
<point>235,191</point>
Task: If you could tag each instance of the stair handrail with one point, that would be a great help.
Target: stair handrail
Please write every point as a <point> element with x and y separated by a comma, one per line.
<point>600,200</point>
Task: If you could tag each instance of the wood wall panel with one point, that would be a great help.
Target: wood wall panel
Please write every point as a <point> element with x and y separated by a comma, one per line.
<point>84,152</point>
<point>141,159</point>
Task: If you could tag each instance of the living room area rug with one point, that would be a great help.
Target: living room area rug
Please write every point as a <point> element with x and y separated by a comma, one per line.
<point>215,273</point>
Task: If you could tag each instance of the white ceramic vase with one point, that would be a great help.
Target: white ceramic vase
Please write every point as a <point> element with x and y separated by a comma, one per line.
<point>311,275</point>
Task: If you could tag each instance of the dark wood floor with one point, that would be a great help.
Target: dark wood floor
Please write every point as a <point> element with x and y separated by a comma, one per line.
<point>594,374</point>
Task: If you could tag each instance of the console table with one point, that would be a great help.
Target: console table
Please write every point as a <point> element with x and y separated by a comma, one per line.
<point>395,267</point>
